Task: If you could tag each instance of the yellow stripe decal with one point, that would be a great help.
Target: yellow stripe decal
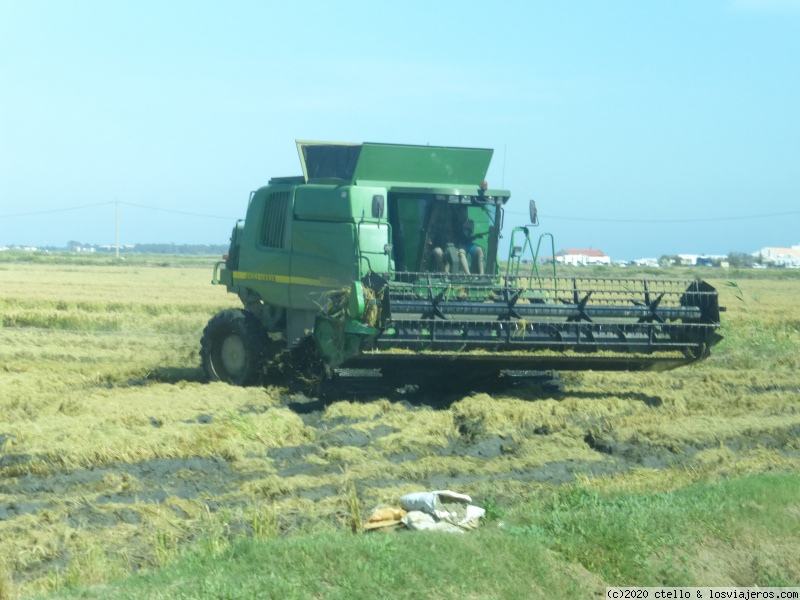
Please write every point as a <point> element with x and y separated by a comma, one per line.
<point>270,278</point>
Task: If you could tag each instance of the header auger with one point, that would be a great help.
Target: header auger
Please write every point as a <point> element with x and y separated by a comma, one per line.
<point>385,257</point>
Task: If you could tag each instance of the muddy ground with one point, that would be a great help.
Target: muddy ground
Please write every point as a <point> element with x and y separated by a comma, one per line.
<point>214,478</point>
<point>299,478</point>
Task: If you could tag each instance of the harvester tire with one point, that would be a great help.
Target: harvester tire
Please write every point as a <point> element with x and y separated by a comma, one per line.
<point>234,348</point>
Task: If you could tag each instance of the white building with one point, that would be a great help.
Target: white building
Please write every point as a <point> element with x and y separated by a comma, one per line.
<point>646,262</point>
<point>590,256</point>
<point>780,257</point>
<point>688,259</point>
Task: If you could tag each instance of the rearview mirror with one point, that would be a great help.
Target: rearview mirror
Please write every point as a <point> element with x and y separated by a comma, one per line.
<point>377,206</point>
<point>533,214</point>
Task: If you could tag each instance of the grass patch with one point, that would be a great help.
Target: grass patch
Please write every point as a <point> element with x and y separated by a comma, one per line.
<point>335,565</point>
<point>657,539</point>
<point>570,543</point>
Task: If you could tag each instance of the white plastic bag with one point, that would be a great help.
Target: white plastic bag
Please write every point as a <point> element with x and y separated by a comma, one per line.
<point>431,502</point>
<point>416,520</point>
<point>446,506</point>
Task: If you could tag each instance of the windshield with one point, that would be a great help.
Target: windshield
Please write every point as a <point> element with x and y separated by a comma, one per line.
<point>424,229</point>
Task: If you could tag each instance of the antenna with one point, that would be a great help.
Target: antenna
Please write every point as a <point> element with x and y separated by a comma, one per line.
<point>503,182</point>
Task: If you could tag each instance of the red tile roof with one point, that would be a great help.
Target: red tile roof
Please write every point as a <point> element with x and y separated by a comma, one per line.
<point>784,251</point>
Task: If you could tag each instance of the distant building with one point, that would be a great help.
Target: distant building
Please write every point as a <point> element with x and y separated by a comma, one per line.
<point>780,257</point>
<point>646,262</point>
<point>688,259</point>
<point>571,256</point>
<point>702,260</point>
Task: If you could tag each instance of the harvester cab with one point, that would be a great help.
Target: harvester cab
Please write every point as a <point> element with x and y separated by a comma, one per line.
<point>385,257</point>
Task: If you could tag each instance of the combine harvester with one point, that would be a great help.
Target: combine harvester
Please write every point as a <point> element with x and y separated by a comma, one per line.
<point>384,258</point>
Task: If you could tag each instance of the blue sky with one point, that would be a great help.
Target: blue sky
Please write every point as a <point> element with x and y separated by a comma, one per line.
<point>637,126</point>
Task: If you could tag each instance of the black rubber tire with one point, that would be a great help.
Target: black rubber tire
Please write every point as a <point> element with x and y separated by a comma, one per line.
<point>234,348</point>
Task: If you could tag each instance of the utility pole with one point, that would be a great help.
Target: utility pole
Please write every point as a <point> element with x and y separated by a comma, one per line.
<point>116,229</point>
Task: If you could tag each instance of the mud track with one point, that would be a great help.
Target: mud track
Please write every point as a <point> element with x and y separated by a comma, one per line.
<point>307,480</point>
<point>215,480</point>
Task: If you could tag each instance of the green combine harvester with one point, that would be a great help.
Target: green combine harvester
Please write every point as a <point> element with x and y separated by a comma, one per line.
<point>384,258</point>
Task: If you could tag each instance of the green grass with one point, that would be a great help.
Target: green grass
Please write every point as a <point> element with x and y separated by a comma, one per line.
<point>569,543</point>
<point>653,539</point>
<point>368,567</point>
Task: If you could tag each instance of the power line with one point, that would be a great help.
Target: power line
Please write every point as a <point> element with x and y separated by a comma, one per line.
<point>698,220</point>
<point>55,210</point>
<point>58,210</point>
<point>177,212</point>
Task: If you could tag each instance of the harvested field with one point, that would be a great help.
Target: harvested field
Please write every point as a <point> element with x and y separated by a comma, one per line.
<point>114,453</point>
